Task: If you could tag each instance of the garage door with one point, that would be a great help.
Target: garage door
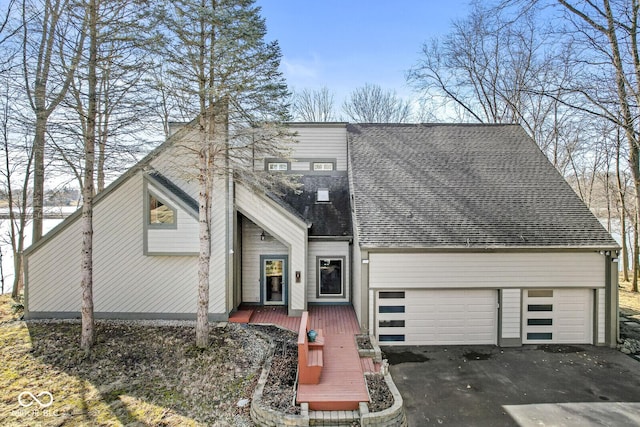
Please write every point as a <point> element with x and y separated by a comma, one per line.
<point>436,317</point>
<point>560,316</point>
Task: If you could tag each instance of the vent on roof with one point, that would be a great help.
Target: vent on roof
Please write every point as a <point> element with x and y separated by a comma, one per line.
<point>322,195</point>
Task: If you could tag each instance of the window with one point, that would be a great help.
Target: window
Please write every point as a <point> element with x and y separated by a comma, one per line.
<point>322,166</point>
<point>391,295</point>
<point>391,338</point>
<point>160,213</point>
<point>330,277</point>
<point>278,166</point>
<point>322,195</point>
<point>391,309</point>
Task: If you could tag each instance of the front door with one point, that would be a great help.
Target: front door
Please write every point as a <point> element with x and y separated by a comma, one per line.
<point>274,280</point>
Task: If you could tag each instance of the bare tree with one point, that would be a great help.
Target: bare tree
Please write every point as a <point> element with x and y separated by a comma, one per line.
<point>372,104</point>
<point>313,105</point>
<point>51,51</point>
<point>15,172</point>
<point>608,33</point>
<point>492,69</point>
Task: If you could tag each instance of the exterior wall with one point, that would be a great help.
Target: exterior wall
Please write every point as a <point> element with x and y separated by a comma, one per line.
<point>180,240</point>
<point>252,248</point>
<point>511,309</point>
<point>220,270</point>
<point>359,287</point>
<point>289,230</point>
<point>126,282</point>
<point>486,270</point>
<point>601,324</point>
<point>317,142</point>
<point>327,249</point>
<point>178,164</point>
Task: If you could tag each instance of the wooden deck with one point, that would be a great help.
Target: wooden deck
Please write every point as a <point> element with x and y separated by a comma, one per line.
<point>342,385</point>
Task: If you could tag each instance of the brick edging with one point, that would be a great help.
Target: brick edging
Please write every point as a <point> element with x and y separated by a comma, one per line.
<point>393,416</point>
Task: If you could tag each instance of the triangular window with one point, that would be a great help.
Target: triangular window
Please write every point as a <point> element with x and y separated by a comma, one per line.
<point>160,213</point>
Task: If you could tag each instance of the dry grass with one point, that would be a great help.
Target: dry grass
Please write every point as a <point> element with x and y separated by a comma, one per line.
<point>629,301</point>
<point>136,375</point>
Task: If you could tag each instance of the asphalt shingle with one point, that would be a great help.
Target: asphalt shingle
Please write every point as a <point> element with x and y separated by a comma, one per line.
<point>462,186</point>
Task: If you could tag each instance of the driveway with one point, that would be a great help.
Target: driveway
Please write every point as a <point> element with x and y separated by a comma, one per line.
<point>555,385</point>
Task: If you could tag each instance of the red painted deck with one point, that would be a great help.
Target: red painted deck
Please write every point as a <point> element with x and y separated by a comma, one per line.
<point>342,385</point>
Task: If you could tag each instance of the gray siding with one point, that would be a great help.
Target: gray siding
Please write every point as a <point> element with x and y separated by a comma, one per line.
<point>327,249</point>
<point>321,142</point>
<point>125,280</point>
<point>511,313</point>
<point>180,165</point>
<point>492,270</point>
<point>601,325</point>
<point>252,249</point>
<point>285,227</point>
<point>182,239</point>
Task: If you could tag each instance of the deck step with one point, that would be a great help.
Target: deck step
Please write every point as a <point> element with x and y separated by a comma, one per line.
<point>333,418</point>
<point>241,316</point>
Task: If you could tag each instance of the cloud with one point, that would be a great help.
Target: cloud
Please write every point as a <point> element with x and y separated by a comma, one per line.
<point>301,70</point>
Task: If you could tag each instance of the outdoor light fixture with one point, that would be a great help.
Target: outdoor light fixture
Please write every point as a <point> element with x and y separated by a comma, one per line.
<point>262,236</point>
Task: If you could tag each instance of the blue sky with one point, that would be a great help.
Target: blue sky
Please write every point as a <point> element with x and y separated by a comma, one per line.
<point>343,44</point>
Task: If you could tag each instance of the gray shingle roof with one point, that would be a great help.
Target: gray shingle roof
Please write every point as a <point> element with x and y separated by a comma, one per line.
<point>331,218</point>
<point>463,186</point>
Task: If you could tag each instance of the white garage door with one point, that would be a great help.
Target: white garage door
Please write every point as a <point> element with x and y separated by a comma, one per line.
<point>557,316</point>
<point>436,317</point>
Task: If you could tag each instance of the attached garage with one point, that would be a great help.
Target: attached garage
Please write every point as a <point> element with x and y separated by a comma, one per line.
<point>467,234</point>
<point>437,316</point>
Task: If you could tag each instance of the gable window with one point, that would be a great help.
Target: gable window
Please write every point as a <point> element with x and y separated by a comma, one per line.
<point>330,277</point>
<point>278,166</point>
<point>322,166</point>
<point>160,213</point>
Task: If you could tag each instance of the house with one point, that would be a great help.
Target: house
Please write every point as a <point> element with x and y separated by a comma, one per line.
<point>434,233</point>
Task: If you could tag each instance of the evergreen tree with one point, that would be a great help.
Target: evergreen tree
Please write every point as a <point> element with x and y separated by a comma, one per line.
<point>217,57</point>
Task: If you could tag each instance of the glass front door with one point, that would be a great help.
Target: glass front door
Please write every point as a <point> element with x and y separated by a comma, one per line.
<point>274,281</point>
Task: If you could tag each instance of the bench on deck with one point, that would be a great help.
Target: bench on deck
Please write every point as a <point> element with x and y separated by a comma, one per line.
<point>309,353</point>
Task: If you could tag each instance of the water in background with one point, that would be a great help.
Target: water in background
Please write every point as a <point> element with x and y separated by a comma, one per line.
<point>5,241</point>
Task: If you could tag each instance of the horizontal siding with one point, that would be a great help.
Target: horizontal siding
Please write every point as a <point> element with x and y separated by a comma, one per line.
<point>183,239</point>
<point>300,166</point>
<point>600,294</point>
<point>124,279</point>
<point>322,142</point>
<point>180,165</point>
<point>494,270</point>
<point>511,313</point>
<point>220,283</point>
<point>289,230</point>
<point>252,248</point>
<point>327,249</point>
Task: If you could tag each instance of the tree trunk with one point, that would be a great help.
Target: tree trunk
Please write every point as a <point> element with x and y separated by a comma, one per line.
<point>623,212</point>
<point>38,173</point>
<point>204,259</point>
<point>87,338</point>
<point>636,259</point>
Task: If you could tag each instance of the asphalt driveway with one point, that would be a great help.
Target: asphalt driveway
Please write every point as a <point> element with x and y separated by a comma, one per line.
<point>526,386</point>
